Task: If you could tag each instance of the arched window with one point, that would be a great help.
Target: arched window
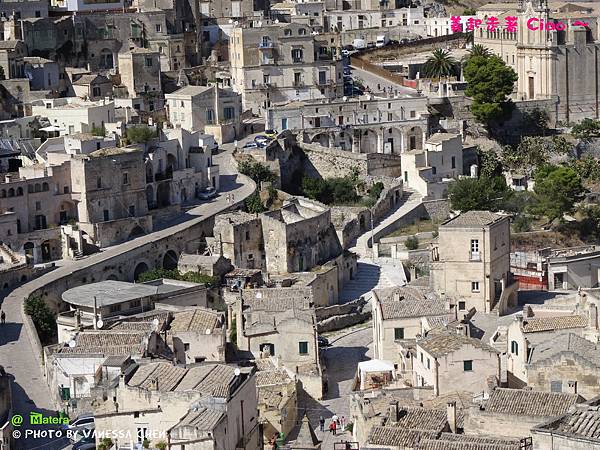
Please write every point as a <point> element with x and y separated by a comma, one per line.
<point>45,187</point>
<point>287,32</point>
<point>3,193</point>
<point>30,188</point>
<point>38,187</point>
<point>302,31</point>
<point>514,347</point>
<point>11,192</point>
<point>19,191</point>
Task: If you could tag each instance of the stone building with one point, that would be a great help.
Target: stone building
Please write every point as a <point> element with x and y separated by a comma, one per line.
<point>299,236</point>
<point>514,412</point>
<point>211,404</point>
<point>74,115</point>
<point>43,73</point>
<point>471,262</point>
<point>140,71</point>
<point>238,237</point>
<point>575,430</point>
<point>527,333</point>
<point>430,170</point>
<point>212,265</point>
<point>209,109</point>
<point>92,87</point>
<point>278,63</point>
<point>557,65</point>
<point>281,323</point>
<point>111,300</point>
<point>12,54</point>
<point>402,123</point>
<point>452,360</point>
<point>407,19</point>
<point>398,319</point>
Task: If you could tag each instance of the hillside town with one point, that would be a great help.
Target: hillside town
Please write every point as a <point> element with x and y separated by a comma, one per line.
<point>299,225</point>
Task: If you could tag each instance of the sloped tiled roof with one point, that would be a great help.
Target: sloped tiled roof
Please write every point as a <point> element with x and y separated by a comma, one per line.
<point>398,437</point>
<point>583,422</point>
<point>472,219</point>
<point>539,324</point>
<point>271,377</point>
<point>399,302</point>
<point>158,376</point>
<point>568,343</point>
<point>204,419</point>
<point>109,343</point>
<point>418,418</point>
<point>530,403</point>
<point>196,320</point>
<point>465,445</point>
<point>446,342</point>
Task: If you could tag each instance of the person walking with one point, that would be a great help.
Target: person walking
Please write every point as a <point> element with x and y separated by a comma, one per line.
<point>333,426</point>
<point>321,423</point>
<point>343,423</point>
<point>3,317</point>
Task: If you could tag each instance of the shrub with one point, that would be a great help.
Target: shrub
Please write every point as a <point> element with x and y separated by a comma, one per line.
<point>42,318</point>
<point>140,135</point>
<point>522,224</point>
<point>192,277</point>
<point>412,243</point>
<point>257,171</point>
<point>254,204</point>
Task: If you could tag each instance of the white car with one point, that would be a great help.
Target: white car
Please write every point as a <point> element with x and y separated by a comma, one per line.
<point>262,140</point>
<point>83,421</point>
<point>207,193</point>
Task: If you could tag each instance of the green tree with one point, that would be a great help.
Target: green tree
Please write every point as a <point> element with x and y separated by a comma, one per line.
<point>479,50</point>
<point>490,82</point>
<point>469,12</point>
<point>537,120</point>
<point>42,318</point>
<point>254,204</point>
<point>412,243</point>
<point>483,193</point>
<point>586,129</point>
<point>440,64</point>
<point>140,135</point>
<point>522,224</point>
<point>587,167</point>
<point>343,190</point>
<point>557,189</point>
<point>534,151</point>
<point>489,163</point>
<point>174,274</point>
<point>257,171</point>
<point>317,189</point>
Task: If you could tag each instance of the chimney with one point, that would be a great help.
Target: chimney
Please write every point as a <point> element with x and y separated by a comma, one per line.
<point>397,296</point>
<point>393,411</point>
<point>593,316</point>
<point>451,413</point>
<point>572,387</point>
<point>462,329</point>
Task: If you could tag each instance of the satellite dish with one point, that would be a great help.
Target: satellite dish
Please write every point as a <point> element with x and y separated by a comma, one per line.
<point>276,20</point>
<point>100,323</point>
<point>237,372</point>
<point>236,23</point>
<point>207,331</point>
<point>259,295</point>
<point>230,20</point>
<point>72,343</point>
<point>345,98</point>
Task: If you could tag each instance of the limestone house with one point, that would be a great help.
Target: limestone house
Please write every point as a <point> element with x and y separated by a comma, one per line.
<point>528,332</point>
<point>281,62</point>
<point>450,360</point>
<point>212,265</point>
<point>576,429</point>
<point>74,115</point>
<point>277,398</point>
<point>238,237</point>
<point>208,406</point>
<point>398,319</point>
<point>112,300</point>
<point>281,323</point>
<point>209,109</point>
<point>471,262</point>
<point>431,169</point>
<point>140,71</point>
<point>514,412</point>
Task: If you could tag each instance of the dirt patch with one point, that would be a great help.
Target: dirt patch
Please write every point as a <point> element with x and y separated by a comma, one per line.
<point>541,239</point>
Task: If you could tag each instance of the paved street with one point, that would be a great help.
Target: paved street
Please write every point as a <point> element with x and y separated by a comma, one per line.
<point>377,84</point>
<point>30,391</point>
<point>341,360</point>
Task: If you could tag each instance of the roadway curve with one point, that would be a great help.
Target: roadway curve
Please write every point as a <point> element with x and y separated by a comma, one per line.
<point>19,345</point>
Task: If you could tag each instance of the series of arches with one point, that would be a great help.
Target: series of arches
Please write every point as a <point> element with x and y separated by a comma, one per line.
<point>385,140</point>
<point>18,191</point>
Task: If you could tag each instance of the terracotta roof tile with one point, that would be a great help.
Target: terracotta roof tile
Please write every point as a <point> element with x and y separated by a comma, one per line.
<point>530,403</point>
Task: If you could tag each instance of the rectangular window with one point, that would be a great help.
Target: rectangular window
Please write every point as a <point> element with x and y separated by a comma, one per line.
<point>475,250</point>
<point>556,386</point>
<point>428,363</point>
<point>421,357</point>
<point>454,162</point>
<point>158,28</point>
<point>209,116</point>
<point>398,333</point>
<point>115,308</point>
<point>135,304</point>
<point>474,286</point>
<point>125,178</point>
<point>284,124</point>
<point>186,347</point>
<point>462,306</point>
<point>468,366</point>
<point>229,113</point>
<point>99,183</point>
<point>132,210</point>
<point>148,62</point>
<point>106,215</point>
<point>38,206</point>
<point>303,348</point>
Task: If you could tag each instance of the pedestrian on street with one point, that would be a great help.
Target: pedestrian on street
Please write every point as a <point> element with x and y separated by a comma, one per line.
<point>321,423</point>
<point>333,426</point>
<point>3,317</point>
<point>343,423</point>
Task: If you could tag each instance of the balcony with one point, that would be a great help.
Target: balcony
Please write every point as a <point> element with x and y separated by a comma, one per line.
<point>298,84</point>
<point>266,45</point>
<point>297,60</point>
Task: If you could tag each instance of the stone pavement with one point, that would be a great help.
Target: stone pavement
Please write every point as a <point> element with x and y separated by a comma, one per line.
<point>17,353</point>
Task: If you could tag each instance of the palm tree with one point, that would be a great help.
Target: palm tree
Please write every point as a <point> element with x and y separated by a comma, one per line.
<point>479,50</point>
<point>440,64</point>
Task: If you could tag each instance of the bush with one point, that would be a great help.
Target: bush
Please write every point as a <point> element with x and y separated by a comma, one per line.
<point>161,445</point>
<point>338,191</point>
<point>42,318</point>
<point>257,171</point>
<point>412,243</point>
<point>254,204</point>
<point>105,444</point>
<point>522,224</point>
<point>192,277</point>
<point>140,135</point>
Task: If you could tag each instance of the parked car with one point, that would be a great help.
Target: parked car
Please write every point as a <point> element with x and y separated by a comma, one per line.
<point>251,145</point>
<point>323,341</point>
<point>86,443</point>
<point>271,134</point>
<point>262,140</point>
<point>83,421</point>
<point>207,193</point>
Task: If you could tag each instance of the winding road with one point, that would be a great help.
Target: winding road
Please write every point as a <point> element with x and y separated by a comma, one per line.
<point>18,352</point>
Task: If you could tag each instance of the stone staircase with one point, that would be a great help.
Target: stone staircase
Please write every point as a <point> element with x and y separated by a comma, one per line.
<point>8,255</point>
<point>369,276</point>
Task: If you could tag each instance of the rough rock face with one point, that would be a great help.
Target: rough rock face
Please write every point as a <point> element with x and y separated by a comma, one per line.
<point>336,317</point>
<point>435,9</point>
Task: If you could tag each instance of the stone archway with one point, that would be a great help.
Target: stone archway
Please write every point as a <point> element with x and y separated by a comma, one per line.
<point>322,139</point>
<point>163,194</point>
<point>368,141</point>
<point>137,231</point>
<point>170,260</point>
<point>414,138</point>
<point>140,269</point>
<point>392,141</point>
<point>150,197</point>
<point>28,250</point>
<point>344,141</point>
